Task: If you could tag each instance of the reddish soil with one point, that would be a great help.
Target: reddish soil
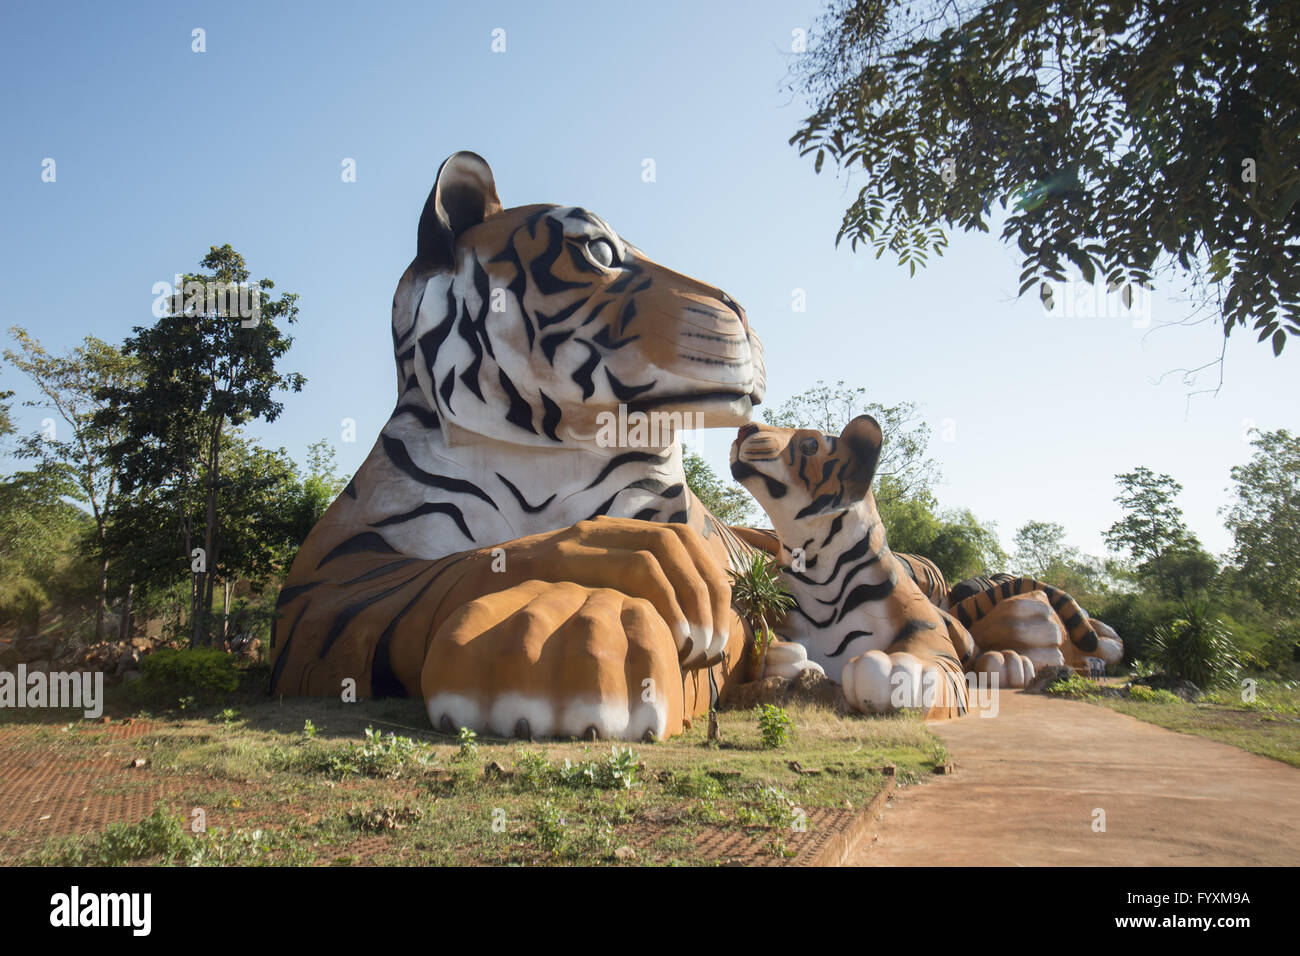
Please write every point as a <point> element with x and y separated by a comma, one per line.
<point>1029,781</point>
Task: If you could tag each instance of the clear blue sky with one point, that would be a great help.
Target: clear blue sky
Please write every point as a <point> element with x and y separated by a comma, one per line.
<point>162,152</point>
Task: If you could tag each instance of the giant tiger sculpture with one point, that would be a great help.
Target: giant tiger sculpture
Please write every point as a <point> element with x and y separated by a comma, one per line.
<point>880,619</point>
<point>491,555</point>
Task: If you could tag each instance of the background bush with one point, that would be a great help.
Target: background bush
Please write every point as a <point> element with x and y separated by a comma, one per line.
<point>167,675</point>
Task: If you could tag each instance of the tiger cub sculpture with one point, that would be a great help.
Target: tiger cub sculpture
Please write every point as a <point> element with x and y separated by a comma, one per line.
<point>859,611</point>
<point>502,553</point>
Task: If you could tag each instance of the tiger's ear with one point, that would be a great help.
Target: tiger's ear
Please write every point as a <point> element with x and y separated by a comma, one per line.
<point>863,438</point>
<point>464,195</point>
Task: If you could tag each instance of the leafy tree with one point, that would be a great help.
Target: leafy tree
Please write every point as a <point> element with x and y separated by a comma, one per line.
<point>1040,546</point>
<point>904,470</point>
<point>964,547</point>
<point>956,541</point>
<point>204,372</point>
<point>41,558</point>
<point>70,385</point>
<point>1129,137</point>
<point>6,421</point>
<point>1155,536</point>
<point>729,502</point>
<point>1264,519</point>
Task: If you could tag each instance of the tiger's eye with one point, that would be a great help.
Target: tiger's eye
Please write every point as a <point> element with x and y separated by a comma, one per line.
<point>809,446</point>
<point>602,251</point>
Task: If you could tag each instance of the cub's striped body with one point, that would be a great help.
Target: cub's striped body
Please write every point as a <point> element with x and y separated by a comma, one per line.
<point>860,612</point>
<point>437,572</point>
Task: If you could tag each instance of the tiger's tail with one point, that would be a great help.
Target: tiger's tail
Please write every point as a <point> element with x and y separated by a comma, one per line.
<point>1073,617</point>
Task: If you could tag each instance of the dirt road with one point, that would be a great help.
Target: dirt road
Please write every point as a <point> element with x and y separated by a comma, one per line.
<point>1030,781</point>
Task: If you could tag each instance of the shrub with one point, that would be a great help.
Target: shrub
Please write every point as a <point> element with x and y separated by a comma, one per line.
<point>1073,686</point>
<point>161,834</point>
<point>1152,695</point>
<point>774,725</point>
<point>384,755</point>
<point>1196,648</point>
<point>202,675</point>
<point>614,771</point>
<point>1135,617</point>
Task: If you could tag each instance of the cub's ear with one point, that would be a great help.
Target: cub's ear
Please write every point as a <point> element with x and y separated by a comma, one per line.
<point>464,195</point>
<point>863,439</point>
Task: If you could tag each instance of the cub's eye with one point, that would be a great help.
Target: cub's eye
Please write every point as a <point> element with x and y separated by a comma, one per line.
<point>809,446</point>
<point>602,250</point>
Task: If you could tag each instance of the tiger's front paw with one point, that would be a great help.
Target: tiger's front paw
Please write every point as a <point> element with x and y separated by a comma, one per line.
<point>555,660</point>
<point>668,565</point>
<point>1011,668</point>
<point>880,683</point>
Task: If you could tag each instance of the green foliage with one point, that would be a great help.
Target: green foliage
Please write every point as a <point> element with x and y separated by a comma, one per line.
<point>1197,647</point>
<point>693,783</point>
<point>1152,695</point>
<point>387,756</point>
<point>729,502</point>
<point>467,742</point>
<point>1135,616</point>
<point>308,729</point>
<point>43,552</point>
<point>78,444</point>
<point>774,726</point>
<point>771,807</point>
<point>1117,135</point>
<point>1264,519</point>
<point>956,541</point>
<point>1040,546</point>
<point>380,819</point>
<point>616,770</point>
<point>203,372</point>
<point>762,599</point>
<point>161,834</point>
<point>203,674</point>
<point>1154,535</point>
<point>1073,686</point>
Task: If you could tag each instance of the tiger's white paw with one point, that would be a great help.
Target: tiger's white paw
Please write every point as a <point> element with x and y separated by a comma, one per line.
<point>788,659</point>
<point>879,683</point>
<point>1012,668</point>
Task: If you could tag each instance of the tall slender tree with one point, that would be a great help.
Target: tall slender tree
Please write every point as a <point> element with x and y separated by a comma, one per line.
<point>206,368</point>
<point>70,386</point>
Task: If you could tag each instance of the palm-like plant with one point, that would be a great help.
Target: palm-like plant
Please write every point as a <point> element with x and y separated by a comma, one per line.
<point>762,600</point>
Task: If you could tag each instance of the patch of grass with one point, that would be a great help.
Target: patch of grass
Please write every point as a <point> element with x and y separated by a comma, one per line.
<point>1152,695</point>
<point>1075,686</point>
<point>275,792</point>
<point>1268,724</point>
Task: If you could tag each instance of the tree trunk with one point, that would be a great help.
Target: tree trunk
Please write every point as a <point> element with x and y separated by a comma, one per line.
<point>100,600</point>
<point>124,625</point>
<point>225,611</point>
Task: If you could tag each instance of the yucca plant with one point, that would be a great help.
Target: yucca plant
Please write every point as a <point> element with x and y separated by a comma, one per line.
<point>762,600</point>
<point>1197,648</point>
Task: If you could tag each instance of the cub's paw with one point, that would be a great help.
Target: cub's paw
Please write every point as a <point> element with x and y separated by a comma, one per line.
<point>1012,668</point>
<point>879,683</point>
<point>544,659</point>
